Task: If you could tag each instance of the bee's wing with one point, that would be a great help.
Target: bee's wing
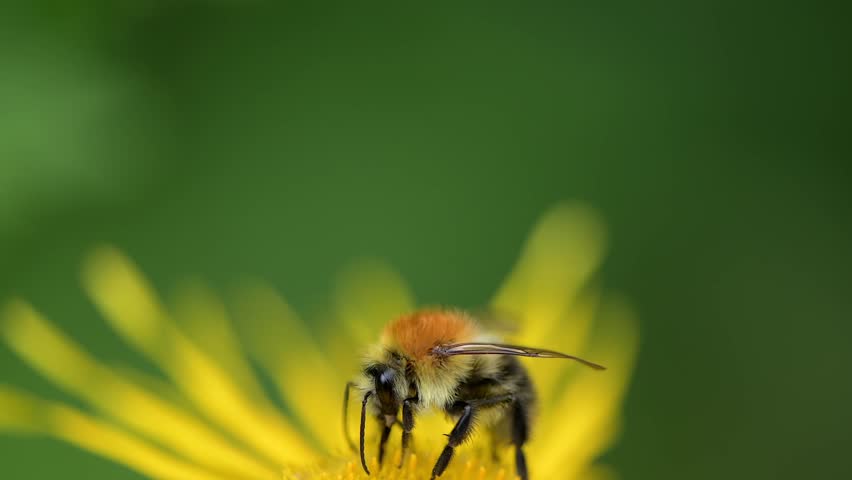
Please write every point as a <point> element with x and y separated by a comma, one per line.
<point>477,348</point>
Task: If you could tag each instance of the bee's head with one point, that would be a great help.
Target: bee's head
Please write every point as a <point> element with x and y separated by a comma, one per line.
<point>387,379</point>
<point>389,383</point>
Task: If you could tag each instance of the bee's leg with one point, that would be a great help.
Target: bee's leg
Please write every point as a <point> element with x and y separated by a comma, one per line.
<point>456,437</point>
<point>463,428</point>
<point>520,434</point>
<point>407,427</point>
<point>384,439</point>
<point>349,441</point>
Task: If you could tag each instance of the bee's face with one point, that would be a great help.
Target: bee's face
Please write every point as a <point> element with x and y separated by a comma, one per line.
<point>390,384</point>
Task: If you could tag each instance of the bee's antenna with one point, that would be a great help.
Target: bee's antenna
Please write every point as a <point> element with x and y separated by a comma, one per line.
<point>346,416</point>
<point>363,421</point>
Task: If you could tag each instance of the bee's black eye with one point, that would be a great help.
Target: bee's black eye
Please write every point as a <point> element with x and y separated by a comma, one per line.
<point>384,380</point>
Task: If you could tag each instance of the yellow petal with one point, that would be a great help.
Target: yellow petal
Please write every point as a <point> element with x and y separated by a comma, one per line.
<point>130,306</point>
<point>19,412</point>
<point>72,426</point>
<point>569,335</point>
<point>369,294</point>
<point>283,345</point>
<point>583,421</point>
<point>564,249</point>
<point>102,439</point>
<point>205,319</point>
<point>59,359</point>
<point>221,400</point>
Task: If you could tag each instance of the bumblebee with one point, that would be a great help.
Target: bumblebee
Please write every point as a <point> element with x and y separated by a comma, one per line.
<point>441,359</point>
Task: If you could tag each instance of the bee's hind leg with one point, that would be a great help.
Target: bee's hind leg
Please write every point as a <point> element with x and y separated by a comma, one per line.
<point>458,435</point>
<point>463,428</point>
<point>520,434</point>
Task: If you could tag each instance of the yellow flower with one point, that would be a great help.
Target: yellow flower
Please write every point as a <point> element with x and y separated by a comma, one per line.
<point>215,419</point>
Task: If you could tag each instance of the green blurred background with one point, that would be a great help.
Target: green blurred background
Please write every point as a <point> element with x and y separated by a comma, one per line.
<point>227,139</point>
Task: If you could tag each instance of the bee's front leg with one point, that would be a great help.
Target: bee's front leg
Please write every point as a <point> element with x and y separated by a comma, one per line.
<point>407,427</point>
<point>383,440</point>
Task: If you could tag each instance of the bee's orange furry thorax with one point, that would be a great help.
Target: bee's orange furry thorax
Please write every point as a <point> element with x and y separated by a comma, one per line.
<point>416,333</point>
